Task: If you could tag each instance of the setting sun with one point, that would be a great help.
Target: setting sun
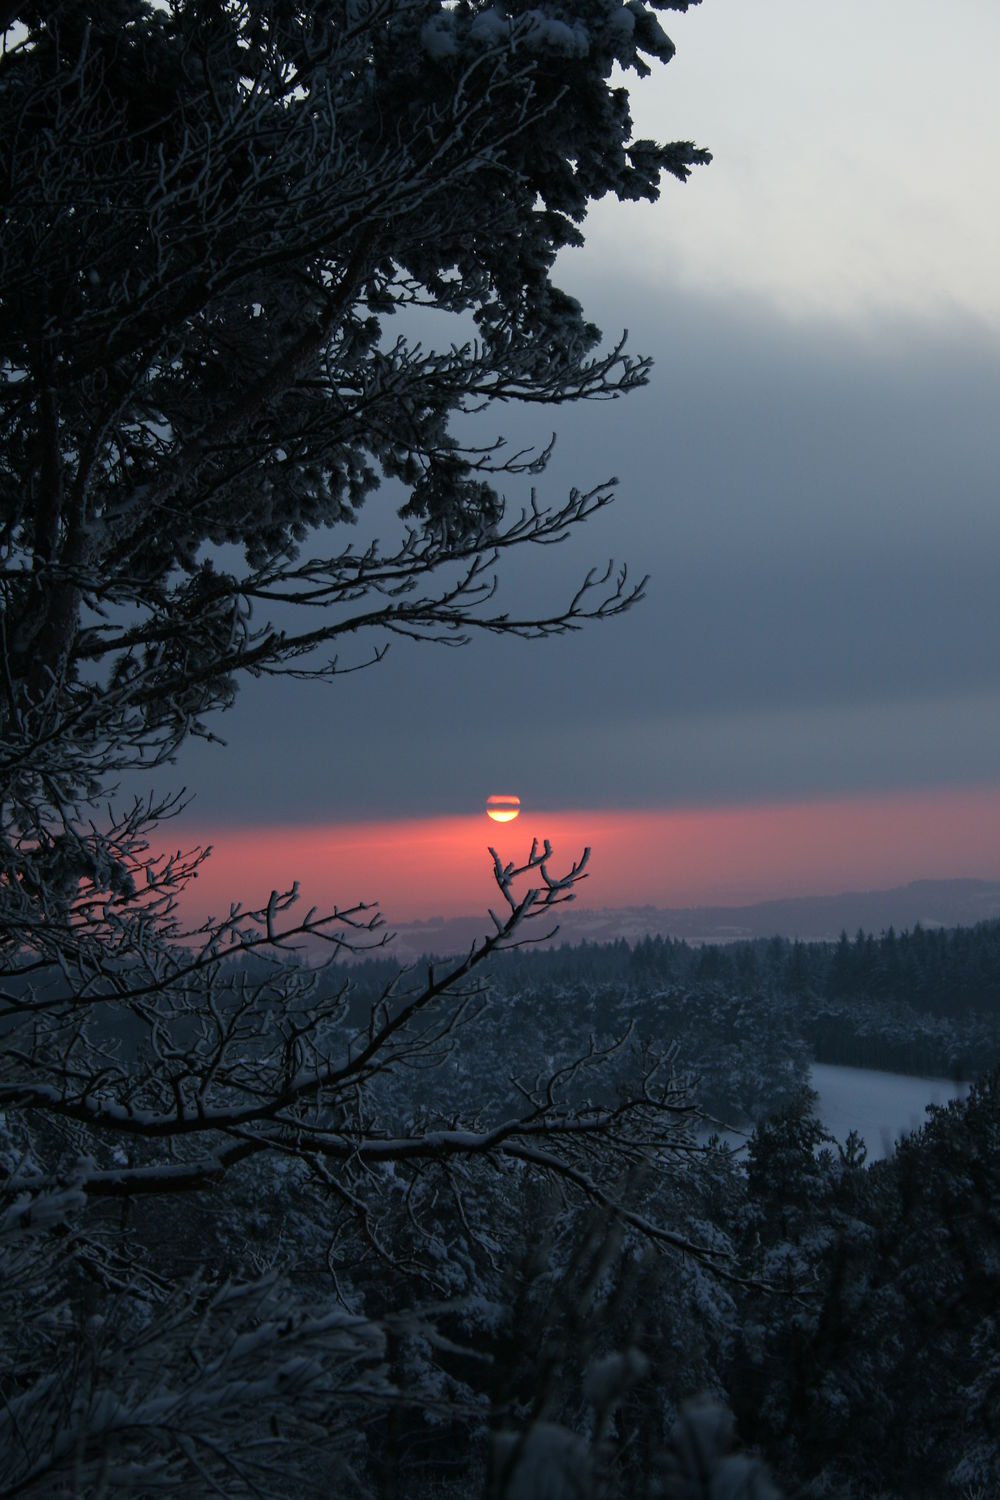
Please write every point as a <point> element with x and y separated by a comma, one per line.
<point>503,809</point>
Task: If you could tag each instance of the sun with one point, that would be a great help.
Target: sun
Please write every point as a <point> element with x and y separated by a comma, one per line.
<point>503,808</point>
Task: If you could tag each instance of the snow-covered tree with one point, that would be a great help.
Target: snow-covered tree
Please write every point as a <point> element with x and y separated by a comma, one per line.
<point>214,216</point>
<point>213,212</point>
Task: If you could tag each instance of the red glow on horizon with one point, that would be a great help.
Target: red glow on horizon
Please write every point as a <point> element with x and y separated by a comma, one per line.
<point>732,855</point>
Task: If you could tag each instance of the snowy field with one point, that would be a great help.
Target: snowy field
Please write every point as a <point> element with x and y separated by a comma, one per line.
<point>879,1106</point>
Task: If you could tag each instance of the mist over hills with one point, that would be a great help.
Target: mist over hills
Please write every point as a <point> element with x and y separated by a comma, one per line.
<point>931,903</point>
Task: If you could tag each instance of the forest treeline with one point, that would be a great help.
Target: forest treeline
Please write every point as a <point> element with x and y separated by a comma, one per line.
<point>748,1017</point>
<point>920,1001</point>
<point>947,972</point>
<point>841,1335</point>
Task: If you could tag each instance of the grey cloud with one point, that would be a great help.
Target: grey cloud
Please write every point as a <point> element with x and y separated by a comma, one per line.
<point>818,510</point>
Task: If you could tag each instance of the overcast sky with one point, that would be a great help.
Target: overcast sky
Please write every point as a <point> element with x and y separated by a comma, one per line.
<point>810,478</point>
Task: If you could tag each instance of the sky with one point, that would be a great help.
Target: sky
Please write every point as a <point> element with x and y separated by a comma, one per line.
<point>809,697</point>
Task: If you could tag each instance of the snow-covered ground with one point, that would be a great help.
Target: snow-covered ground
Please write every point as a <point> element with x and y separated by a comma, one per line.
<point>879,1106</point>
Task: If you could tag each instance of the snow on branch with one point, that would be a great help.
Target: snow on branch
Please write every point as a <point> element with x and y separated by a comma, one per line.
<point>222,1067</point>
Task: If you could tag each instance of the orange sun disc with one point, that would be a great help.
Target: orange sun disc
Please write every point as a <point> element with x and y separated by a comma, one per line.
<point>503,809</point>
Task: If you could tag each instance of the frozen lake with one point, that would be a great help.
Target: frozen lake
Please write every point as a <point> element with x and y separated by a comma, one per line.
<point>879,1106</point>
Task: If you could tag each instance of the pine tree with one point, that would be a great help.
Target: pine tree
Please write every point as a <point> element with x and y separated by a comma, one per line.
<point>215,215</point>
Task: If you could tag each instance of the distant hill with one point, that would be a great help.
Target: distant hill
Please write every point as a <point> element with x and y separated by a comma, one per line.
<point>932,903</point>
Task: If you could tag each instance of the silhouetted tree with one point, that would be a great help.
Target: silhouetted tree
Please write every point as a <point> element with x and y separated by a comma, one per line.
<point>212,212</point>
